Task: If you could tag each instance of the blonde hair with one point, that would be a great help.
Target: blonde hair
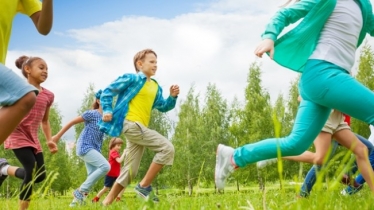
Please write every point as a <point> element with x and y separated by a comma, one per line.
<point>114,141</point>
<point>141,55</point>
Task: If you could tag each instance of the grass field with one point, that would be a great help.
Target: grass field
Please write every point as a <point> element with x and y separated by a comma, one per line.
<point>206,199</point>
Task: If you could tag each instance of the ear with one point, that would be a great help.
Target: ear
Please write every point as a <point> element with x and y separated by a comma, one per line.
<point>139,64</point>
<point>27,69</point>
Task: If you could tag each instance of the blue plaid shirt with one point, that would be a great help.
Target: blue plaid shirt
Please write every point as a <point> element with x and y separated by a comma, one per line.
<point>91,137</point>
<point>127,87</point>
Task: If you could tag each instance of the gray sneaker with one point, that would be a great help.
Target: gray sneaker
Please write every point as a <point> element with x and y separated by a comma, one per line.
<point>224,166</point>
<point>146,193</point>
<point>3,162</point>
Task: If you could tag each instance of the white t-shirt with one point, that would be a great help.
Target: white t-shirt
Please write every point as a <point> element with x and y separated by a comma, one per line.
<point>339,37</point>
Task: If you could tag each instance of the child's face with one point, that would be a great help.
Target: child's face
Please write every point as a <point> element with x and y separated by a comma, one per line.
<point>118,147</point>
<point>149,65</point>
<point>38,70</point>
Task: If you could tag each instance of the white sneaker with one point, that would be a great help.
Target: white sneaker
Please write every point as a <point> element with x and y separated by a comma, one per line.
<point>224,166</point>
<point>264,163</point>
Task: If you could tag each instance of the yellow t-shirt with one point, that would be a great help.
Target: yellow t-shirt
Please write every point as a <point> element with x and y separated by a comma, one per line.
<point>8,10</point>
<point>140,106</point>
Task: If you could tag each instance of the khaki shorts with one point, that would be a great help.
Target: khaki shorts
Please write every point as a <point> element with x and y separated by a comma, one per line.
<point>139,137</point>
<point>335,123</point>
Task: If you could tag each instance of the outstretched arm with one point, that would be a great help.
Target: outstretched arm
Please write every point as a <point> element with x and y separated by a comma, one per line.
<point>75,121</point>
<point>43,19</point>
<point>287,16</point>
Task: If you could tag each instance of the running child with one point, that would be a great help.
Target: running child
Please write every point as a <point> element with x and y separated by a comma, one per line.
<point>322,46</point>
<point>138,94</point>
<point>17,97</point>
<point>88,148</point>
<point>115,160</point>
<point>23,141</point>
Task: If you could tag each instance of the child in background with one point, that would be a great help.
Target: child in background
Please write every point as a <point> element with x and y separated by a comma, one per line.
<point>88,149</point>
<point>115,160</point>
<point>24,139</point>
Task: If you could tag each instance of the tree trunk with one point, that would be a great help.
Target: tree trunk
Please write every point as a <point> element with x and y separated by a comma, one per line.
<point>260,180</point>
<point>190,188</point>
<point>237,185</point>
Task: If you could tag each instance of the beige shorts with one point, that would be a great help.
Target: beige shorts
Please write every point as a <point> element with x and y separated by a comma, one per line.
<point>139,137</point>
<point>335,123</point>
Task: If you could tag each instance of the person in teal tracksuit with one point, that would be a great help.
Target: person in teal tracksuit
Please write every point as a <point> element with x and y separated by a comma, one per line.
<point>322,47</point>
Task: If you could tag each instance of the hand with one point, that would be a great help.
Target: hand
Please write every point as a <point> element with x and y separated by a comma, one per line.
<point>266,45</point>
<point>174,90</point>
<point>107,117</point>
<point>52,147</point>
<point>55,138</point>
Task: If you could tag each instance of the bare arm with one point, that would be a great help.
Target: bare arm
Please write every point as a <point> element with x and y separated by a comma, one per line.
<point>46,127</point>
<point>120,159</point>
<point>43,19</point>
<point>76,120</point>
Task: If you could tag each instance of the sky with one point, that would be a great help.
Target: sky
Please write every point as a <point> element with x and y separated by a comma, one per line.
<point>197,41</point>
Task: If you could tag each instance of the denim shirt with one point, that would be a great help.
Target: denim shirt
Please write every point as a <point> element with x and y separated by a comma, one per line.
<point>127,87</point>
<point>293,49</point>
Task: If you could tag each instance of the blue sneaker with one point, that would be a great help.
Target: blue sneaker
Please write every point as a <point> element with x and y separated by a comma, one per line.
<point>146,193</point>
<point>79,197</point>
<point>3,162</point>
<point>350,190</point>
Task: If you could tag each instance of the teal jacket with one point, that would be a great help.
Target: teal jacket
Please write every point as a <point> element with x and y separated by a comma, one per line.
<point>293,49</point>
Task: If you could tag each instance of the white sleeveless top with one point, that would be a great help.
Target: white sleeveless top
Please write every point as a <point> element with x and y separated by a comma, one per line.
<point>339,37</point>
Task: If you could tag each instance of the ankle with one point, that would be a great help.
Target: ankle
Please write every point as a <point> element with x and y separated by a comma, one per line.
<point>233,162</point>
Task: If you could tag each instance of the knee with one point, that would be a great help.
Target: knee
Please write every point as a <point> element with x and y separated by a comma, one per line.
<point>361,151</point>
<point>28,100</point>
<point>319,160</point>
<point>170,151</point>
<point>105,167</point>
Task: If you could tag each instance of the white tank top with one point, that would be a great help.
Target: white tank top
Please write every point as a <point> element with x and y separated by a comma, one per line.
<point>339,37</point>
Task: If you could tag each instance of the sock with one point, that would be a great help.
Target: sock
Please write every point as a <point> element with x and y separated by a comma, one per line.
<point>4,170</point>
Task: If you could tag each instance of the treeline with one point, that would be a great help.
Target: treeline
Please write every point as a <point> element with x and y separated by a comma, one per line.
<point>202,124</point>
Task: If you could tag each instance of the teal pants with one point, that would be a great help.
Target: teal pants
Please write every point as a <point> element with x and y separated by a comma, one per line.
<point>323,86</point>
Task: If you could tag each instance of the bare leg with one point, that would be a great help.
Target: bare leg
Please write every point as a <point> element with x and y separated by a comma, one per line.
<point>11,116</point>
<point>102,191</point>
<point>322,144</point>
<point>113,193</point>
<point>152,172</point>
<point>350,141</point>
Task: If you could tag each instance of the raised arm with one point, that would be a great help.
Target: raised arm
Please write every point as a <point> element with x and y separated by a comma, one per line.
<point>166,105</point>
<point>75,121</point>
<point>43,19</point>
<point>287,16</point>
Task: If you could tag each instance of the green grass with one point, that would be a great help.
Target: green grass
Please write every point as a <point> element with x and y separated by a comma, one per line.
<point>206,199</point>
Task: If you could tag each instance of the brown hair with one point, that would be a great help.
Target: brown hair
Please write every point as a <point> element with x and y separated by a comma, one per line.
<point>141,55</point>
<point>114,141</point>
<point>23,61</point>
<point>95,104</point>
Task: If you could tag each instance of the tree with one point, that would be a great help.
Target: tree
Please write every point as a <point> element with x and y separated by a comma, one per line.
<point>365,75</point>
<point>187,142</point>
<point>214,130</point>
<point>255,118</point>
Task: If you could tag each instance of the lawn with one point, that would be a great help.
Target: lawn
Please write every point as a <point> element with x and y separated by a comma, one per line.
<point>206,199</point>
